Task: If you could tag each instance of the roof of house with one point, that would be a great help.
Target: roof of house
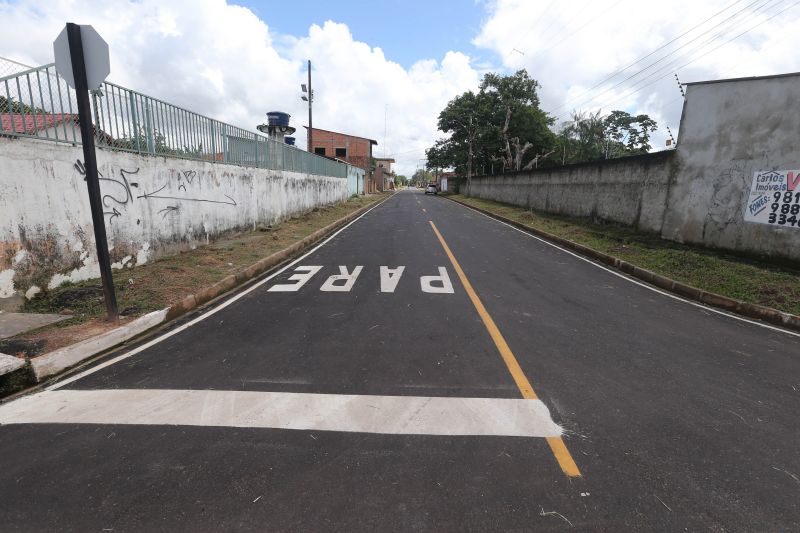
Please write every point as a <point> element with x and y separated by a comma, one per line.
<point>388,159</point>
<point>30,124</point>
<point>371,141</point>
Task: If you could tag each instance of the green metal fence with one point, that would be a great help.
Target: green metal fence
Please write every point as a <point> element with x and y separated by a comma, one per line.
<point>38,103</point>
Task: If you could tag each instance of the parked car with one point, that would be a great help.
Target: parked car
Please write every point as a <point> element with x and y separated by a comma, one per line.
<point>431,188</point>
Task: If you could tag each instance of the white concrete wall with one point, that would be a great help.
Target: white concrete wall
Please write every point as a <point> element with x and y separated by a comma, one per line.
<point>631,190</point>
<point>152,204</point>
<point>729,131</point>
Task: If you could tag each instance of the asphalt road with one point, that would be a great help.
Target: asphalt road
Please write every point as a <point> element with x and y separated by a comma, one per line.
<point>520,388</point>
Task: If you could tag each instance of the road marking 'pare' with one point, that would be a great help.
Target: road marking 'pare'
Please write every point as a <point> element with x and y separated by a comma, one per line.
<point>345,280</point>
<point>399,415</point>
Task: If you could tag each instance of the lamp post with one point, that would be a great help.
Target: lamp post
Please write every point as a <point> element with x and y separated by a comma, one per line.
<point>309,99</point>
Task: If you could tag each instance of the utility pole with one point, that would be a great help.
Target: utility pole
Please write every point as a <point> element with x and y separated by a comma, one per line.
<point>310,99</point>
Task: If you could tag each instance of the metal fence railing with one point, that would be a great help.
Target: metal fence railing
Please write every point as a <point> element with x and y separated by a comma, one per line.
<point>38,103</point>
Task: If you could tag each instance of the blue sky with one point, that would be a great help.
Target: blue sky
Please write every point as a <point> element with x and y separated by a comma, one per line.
<point>406,30</point>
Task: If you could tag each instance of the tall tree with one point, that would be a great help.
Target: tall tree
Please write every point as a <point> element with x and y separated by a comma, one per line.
<point>501,125</point>
<point>515,102</point>
<point>630,133</point>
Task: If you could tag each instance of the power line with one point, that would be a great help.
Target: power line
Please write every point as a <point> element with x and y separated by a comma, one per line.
<point>627,95</point>
<point>620,71</point>
<point>694,49</point>
<point>590,20</point>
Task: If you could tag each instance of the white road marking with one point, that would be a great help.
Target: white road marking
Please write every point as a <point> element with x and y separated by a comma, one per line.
<point>332,283</point>
<point>427,283</point>
<point>635,282</point>
<point>390,277</point>
<point>210,312</point>
<point>401,415</point>
<point>301,276</point>
<point>344,280</point>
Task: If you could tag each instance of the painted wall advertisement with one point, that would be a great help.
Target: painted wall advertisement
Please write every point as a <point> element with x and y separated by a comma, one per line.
<point>774,198</point>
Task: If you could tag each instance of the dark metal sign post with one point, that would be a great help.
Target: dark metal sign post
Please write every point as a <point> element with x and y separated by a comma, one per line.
<point>90,159</point>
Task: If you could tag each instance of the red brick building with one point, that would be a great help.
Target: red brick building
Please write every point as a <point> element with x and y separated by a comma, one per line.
<point>349,148</point>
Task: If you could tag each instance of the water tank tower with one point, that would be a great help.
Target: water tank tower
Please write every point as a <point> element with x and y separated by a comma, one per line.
<point>277,126</point>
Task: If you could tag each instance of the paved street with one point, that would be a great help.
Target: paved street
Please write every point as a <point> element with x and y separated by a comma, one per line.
<point>426,369</point>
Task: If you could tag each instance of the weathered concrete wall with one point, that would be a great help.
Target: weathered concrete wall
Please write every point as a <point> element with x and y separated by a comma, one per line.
<point>698,193</point>
<point>729,131</point>
<point>631,190</point>
<point>152,205</point>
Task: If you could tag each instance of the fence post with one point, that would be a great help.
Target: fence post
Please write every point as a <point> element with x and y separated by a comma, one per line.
<point>213,140</point>
<point>148,127</point>
<point>135,119</point>
<point>255,149</point>
<point>225,141</point>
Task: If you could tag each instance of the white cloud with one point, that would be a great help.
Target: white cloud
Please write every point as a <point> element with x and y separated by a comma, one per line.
<point>221,60</point>
<point>570,46</point>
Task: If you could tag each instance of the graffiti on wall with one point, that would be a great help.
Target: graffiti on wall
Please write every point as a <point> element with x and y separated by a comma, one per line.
<point>121,195</point>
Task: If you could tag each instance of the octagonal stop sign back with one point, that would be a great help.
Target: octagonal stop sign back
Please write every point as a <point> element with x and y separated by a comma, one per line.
<point>95,54</point>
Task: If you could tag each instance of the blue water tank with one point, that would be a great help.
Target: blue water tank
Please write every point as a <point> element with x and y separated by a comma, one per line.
<point>289,140</point>
<point>278,118</point>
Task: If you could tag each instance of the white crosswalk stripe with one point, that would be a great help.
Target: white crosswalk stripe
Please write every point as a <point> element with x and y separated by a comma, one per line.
<point>410,415</point>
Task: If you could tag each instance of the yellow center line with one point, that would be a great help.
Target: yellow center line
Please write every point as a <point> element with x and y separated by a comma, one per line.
<point>557,445</point>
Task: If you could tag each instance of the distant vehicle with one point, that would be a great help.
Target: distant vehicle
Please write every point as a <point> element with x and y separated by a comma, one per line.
<point>431,188</point>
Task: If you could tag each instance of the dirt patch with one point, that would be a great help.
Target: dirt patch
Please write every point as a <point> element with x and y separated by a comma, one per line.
<point>55,338</point>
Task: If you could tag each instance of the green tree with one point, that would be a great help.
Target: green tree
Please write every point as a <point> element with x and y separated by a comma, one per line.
<point>9,105</point>
<point>422,177</point>
<point>501,125</point>
<point>525,126</point>
<point>630,134</point>
<point>138,142</point>
<point>473,138</point>
<point>592,136</point>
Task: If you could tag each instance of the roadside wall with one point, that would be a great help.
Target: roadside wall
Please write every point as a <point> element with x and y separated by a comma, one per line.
<point>153,205</point>
<point>730,131</point>
<point>630,190</point>
<point>699,193</point>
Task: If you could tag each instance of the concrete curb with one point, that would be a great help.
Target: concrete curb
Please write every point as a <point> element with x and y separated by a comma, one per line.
<point>758,312</point>
<point>57,361</point>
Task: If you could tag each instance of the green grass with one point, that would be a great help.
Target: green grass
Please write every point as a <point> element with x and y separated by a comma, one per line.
<point>752,280</point>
